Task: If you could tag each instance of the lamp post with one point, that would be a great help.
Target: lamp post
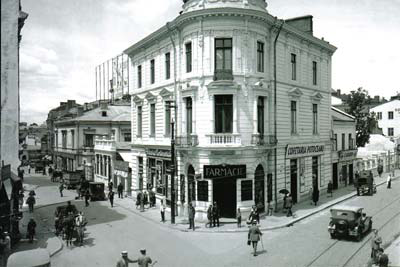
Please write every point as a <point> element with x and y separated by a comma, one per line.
<point>172,166</point>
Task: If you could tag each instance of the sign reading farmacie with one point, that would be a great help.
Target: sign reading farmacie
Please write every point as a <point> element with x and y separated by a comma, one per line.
<point>306,150</point>
<point>219,171</point>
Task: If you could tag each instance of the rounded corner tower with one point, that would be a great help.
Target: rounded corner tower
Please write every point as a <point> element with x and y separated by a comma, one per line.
<point>192,5</point>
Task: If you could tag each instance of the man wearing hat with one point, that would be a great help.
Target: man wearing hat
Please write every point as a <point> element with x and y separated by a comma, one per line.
<point>124,260</point>
<point>254,236</point>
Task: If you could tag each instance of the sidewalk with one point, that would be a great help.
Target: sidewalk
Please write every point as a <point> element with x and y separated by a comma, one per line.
<point>278,220</point>
<point>394,253</point>
<point>45,237</point>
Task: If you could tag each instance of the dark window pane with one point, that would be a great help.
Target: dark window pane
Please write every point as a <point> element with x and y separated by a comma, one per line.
<point>202,190</point>
<point>247,190</point>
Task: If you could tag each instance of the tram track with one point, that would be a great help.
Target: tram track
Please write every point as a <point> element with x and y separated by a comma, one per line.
<point>363,243</point>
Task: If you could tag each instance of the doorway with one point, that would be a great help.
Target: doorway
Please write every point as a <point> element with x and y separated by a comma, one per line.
<point>293,180</point>
<point>224,193</point>
<point>334,176</point>
<point>351,174</point>
<point>259,188</point>
<point>191,184</point>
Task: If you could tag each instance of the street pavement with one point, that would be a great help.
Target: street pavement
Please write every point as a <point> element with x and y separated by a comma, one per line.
<point>123,227</point>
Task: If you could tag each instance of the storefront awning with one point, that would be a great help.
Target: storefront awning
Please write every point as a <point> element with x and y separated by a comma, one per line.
<point>125,155</point>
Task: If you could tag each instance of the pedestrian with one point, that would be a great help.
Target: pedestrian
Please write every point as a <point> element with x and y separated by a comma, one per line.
<point>111,198</point>
<point>330,188</point>
<point>376,242</point>
<point>61,188</point>
<point>87,197</point>
<point>357,177</point>
<point>110,185</point>
<point>120,189</point>
<point>389,181</point>
<point>256,214</point>
<point>310,195</point>
<point>141,201</point>
<point>284,202</point>
<point>315,195</point>
<point>383,259</point>
<point>289,204</point>
<point>5,247</point>
<point>145,198</point>
<point>191,215</point>
<point>209,216</point>
<point>21,199</point>
<point>138,198</point>
<point>215,214</point>
<point>31,230</point>
<point>124,260</point>
<point>162,210</point>
<point>239,218</point>
<point>31,201</point>
<point>254,236</point>
<point>152,198</point>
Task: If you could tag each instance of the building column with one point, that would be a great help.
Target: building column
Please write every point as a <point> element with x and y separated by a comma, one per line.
<point>255,122</point>
<point>235,113</point>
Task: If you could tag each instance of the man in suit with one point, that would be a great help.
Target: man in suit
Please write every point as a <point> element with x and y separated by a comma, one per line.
<point>215,214</point>
<point>191,214</point>
<point>124,260</point>
<point>254,236</point>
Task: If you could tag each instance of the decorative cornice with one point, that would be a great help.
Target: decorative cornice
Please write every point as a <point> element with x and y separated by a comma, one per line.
<point>137,100</point>
<point>150,97</point>
<point>316,97</point>
<point>166,94</point>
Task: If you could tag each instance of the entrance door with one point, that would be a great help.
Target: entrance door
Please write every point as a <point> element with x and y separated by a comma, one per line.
<point>293,179</point>
<point>351,174</point>
<point>224,193</point>
<point>334,176</point>
<point>259,188</point>
<point>344,174</point>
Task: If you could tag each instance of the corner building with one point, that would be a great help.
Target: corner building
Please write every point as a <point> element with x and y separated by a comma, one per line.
<point>216,62</point>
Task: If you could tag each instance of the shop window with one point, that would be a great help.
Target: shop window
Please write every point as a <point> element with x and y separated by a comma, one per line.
<point>223,113</point>
<point>223,59</point>
<point>315,170</point>
<point>167,66</point>
<point>202,190</point>
<point>140,172</point>
<point>188,47</point>
<point>247,190</point>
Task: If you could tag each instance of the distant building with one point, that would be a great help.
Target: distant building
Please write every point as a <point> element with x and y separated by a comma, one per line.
<point>344,151</point>
<point>388,116</point>
<point>74,138</point>
<point>370,102</point>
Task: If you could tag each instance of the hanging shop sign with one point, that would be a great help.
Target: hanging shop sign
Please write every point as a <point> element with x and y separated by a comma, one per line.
<point>121,165</point>
<point>304,150</point>
<point>224,171</point>
<point>347,155</point>
<point>159,153</point>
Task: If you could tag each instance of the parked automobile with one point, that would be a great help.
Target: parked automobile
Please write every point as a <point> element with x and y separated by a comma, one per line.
<point>96,191</point>
<point>349,221</point>
<point>57,175</point>
<point>365,183</point>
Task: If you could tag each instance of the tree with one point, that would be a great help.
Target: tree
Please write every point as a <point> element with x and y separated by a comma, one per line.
<point>365,121</point>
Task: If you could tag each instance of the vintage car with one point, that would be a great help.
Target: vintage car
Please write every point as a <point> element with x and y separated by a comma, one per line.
<point>365,183</point>
<point>349,221</point>
<point>72,178</point>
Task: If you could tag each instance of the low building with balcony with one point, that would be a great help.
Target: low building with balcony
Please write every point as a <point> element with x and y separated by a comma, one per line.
<point>74,138</point>
<point>214,64</point>
<point>344,149</point>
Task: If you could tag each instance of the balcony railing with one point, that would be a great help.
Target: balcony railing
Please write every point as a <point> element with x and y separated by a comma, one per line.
<point>186,141</point>
<point>222,139</point>
<point>87,150</point>
<point>263,140</point>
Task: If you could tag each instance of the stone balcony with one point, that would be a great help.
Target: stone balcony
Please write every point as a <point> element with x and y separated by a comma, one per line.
<point>102,143</point>
<point>263,140</point>
<point>223,139</point>
<point>186,141</point>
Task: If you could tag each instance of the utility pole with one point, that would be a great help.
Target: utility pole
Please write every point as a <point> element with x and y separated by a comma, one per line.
<point>172,173</point>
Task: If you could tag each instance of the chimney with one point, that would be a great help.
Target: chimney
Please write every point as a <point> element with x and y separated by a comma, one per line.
<point>338,92</point>
<point>70,103</point>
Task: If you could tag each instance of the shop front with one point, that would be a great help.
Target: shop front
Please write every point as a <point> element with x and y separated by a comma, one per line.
<point>224,180</point>
<point>123,175</point>
<point>346,166</point>
<point>303,168</point>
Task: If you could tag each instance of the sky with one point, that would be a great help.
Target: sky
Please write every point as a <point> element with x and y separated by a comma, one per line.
<point>64,40</point>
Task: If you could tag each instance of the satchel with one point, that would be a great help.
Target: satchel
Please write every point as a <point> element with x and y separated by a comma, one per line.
<point>248,242</point>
